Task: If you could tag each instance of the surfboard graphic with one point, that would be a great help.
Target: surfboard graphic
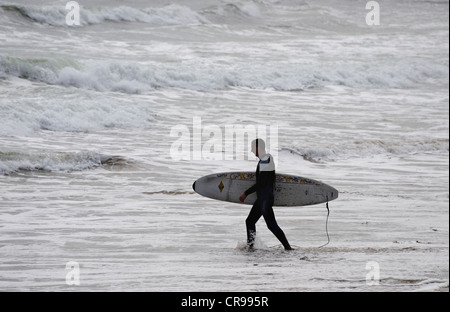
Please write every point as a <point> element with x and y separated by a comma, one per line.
<point>290,190</point>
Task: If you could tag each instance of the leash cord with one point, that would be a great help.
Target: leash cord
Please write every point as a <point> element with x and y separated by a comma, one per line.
<point>326,226</point>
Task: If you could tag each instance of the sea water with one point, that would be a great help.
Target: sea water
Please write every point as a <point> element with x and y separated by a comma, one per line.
<point>93,199</point>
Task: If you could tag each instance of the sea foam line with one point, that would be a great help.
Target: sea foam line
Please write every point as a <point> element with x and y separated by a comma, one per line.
<point>368,148</point>
<point>11,161</point>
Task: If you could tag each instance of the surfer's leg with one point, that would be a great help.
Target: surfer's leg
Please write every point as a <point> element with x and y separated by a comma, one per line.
<point>250,222</point>
<point>269,217</point>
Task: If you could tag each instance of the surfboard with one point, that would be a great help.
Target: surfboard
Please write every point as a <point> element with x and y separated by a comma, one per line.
<point>290,190</point>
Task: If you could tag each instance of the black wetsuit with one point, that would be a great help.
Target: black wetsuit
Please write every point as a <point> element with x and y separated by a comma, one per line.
<point>264,188</point>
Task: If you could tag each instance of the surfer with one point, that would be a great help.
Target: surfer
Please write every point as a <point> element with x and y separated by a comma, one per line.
<point>264,188</point>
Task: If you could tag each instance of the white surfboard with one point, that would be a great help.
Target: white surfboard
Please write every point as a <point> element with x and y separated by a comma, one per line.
<point>290,190</point>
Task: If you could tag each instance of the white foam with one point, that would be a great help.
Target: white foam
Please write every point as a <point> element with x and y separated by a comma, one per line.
<point>258,244</point>
<point>132,77</point>
<point>71,111</point>
<point>28,117</point>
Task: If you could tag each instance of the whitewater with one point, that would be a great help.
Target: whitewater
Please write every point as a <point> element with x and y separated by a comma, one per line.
<point>90,115</point>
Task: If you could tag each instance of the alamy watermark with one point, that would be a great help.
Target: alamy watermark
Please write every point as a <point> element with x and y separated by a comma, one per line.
<point>201,141</point>
<point>73,16</point>
<point>373,276</point>
<point>373,17</point>
<point>73,276</point>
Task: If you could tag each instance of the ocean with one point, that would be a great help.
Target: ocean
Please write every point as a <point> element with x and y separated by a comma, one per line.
<point>105,125</point>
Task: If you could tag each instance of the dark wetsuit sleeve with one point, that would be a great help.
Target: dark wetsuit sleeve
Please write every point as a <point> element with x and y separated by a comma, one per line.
<point>250,190</point>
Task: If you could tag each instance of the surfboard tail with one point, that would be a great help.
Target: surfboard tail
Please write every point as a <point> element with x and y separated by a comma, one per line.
<point>332,193</point>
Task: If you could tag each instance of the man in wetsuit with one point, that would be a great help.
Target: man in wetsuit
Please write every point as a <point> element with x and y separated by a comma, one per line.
<point>264,188</point>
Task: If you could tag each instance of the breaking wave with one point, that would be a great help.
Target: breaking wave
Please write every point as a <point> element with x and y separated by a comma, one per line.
<point>56,15</point>
<point>72,113</point>
<point>172,14</point>
<point>13,162</point>
<point>133,77</point>
<point>368,148</point>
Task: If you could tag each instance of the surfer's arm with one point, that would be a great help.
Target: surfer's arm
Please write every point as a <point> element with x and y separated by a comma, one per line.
<point>250,190</point>
<point>247,192</point>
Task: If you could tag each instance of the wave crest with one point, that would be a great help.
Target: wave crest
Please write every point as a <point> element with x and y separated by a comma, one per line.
<point>133,77</point>
<point>368,148</point>
<point>11,162</point>
<point>56,15</point>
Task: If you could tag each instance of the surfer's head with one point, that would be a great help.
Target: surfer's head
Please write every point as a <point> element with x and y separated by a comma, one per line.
<point>258,147</point>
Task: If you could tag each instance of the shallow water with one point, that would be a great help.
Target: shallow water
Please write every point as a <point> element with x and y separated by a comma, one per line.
<point>87,174</point>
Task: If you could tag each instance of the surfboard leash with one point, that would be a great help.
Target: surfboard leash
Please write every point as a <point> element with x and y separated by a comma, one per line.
<point>326,226</point>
